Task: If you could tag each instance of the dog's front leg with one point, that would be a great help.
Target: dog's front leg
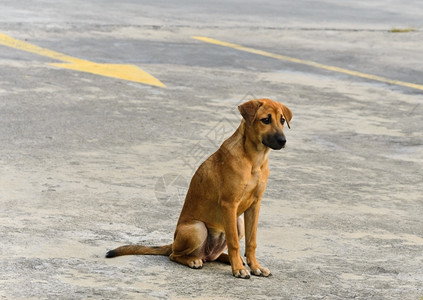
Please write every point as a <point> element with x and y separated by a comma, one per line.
<point>251,220</point>
<point>229,213</point>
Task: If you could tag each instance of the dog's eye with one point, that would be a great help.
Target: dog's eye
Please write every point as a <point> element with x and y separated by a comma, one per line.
<point>267,120</point>
<point>282,121</point>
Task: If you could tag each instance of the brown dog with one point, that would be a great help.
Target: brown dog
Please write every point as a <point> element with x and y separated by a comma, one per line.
<point>231,182</point>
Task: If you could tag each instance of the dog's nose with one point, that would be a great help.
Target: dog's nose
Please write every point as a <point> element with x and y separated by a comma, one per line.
<point>280,139</point>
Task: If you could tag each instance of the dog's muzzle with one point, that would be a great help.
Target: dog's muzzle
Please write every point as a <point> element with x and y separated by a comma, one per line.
<point>276,141</point>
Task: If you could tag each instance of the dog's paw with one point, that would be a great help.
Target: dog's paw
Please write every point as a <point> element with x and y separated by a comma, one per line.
<point>195,263</point>
<point>261,272</point>
<point>243,273</point>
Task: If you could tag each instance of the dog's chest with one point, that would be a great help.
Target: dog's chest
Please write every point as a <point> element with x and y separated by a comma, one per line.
<point>253,188</point>
<point>254,184</point>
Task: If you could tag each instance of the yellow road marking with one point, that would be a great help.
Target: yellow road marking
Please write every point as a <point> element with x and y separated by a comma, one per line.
<point>125,72</point>
<point>308,63</point>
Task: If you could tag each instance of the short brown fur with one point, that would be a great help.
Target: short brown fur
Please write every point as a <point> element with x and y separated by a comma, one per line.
<point>229,184</point>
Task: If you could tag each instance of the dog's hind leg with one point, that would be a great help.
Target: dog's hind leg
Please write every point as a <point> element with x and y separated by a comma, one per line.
<point>189,243</point>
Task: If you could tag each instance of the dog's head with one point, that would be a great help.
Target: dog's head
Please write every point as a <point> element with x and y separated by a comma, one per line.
<point>265,120</point>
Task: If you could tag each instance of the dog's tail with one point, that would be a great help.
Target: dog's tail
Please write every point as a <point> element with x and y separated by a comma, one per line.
<point>140,250</point>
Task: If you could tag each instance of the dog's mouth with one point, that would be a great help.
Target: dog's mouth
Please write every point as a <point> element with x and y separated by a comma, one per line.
<point>274,147</point>
<point>275,142</point>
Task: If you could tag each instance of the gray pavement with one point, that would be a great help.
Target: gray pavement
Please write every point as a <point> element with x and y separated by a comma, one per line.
<point>88,162</point>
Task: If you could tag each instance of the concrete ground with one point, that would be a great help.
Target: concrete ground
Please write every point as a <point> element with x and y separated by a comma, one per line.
<point>89,162</point>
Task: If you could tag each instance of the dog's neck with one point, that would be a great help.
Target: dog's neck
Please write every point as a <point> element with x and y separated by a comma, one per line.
<point>253,149</point>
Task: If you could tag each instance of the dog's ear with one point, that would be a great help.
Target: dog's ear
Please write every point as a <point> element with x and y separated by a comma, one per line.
<point>249,109</point>
<point>287,114</point>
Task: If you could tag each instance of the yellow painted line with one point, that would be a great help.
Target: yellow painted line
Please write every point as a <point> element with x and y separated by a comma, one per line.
<point>125,72</point>
<point>308,63</point>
